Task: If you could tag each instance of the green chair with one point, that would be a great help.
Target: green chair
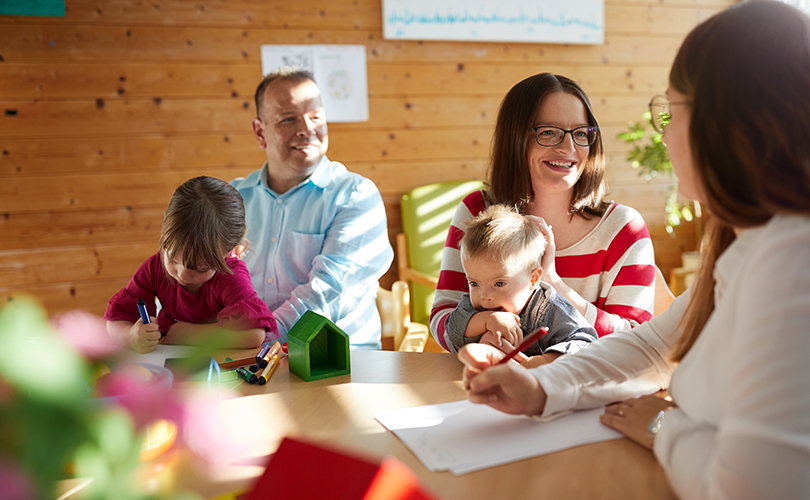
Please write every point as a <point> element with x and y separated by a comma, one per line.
<point>426,215</point>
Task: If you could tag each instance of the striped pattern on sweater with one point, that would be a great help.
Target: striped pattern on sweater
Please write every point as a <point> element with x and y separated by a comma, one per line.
<point>612,268</point>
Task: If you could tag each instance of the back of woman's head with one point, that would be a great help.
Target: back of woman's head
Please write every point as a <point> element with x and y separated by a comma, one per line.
<point>205,220</point>
<point>746,73</point>
<point>509,172</point>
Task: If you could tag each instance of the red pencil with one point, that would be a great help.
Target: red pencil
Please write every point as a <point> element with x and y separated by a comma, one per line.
<point>527,342</point>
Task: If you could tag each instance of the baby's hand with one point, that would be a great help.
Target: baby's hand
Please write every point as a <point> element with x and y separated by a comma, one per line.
<point>505,326</point>
<point>143,338</point>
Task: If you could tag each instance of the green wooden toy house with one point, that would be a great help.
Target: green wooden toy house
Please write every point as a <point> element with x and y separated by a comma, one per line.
<point>317,348</point>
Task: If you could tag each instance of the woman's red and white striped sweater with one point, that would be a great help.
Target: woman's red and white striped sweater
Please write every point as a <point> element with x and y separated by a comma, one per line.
<point>612,268</point>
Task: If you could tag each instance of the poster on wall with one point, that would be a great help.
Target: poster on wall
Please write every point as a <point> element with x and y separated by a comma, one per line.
<point>339,70</point>
<point>535,21</point>
<point>54,8</point>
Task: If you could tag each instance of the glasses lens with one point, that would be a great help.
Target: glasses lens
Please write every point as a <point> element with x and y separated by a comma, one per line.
<point>585,136</point>
<point>549,136</point>
<point>659,113</point>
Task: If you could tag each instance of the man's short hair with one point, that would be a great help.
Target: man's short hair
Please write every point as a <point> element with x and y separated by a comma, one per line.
<point>289,73</point>
<point>501,233</point>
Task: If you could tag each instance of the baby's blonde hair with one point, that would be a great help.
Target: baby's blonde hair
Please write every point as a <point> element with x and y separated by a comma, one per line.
<point>501,233</point>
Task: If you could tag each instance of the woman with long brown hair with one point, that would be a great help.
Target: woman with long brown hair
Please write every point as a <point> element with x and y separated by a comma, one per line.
<point>733,350</point>
<point>547,161</point>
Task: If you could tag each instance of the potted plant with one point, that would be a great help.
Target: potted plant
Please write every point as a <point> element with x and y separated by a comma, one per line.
<point>649,155</point>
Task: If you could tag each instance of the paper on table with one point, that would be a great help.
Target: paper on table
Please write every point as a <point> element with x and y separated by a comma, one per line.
<point>462,437</point>
<point>162,353</point>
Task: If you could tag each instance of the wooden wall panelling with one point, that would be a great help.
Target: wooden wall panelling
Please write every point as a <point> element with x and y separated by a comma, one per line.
<point>113,106</point>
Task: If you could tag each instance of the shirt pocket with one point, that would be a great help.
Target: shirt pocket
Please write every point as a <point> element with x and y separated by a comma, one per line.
<point>300,252</point>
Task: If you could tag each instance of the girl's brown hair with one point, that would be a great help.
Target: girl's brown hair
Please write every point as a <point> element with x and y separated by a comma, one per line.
<point>509,173</point>
<point>746,75</point>
<point>205,220</point>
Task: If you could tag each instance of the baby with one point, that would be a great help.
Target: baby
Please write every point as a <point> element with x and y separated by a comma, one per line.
<point>501,252</point>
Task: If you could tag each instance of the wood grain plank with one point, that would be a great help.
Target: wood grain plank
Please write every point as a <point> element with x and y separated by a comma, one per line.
<point>60,298</point>
<point>78,263</point>
<point>126,81</point>
<point>100,191</point>
<point>617,49</point>
<point>114,43</point>
<point>81,227</point>
<point>24,157</point>
<point>656,20</point>
<point>476,79</point>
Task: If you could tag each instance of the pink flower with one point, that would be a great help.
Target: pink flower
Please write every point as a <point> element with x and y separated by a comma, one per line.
<point>214,435</point>
<point>87,333</point>
<point>14,482</point>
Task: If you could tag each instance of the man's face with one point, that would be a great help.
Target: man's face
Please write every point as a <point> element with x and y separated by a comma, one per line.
<point>292,128</point>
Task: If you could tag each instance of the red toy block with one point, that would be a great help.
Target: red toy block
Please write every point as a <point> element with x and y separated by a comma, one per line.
<point>307,471</point>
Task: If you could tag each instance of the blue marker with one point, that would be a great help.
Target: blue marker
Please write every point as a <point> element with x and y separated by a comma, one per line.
<point>143,311</point>
<point>145,314</point>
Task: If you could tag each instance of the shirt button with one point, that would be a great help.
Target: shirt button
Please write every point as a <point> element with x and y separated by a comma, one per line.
<point>270,281</point>
<point>274,239</point>
<point>279,201</point>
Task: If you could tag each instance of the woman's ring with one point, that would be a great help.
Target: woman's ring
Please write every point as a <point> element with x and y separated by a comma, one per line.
<point>621,413</point>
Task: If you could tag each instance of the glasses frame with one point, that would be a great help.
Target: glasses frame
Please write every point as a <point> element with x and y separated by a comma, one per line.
<point>562,138</point>
<point>658,127</point>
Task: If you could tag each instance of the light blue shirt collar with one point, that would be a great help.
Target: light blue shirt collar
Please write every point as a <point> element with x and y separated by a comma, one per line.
<point>320,177</point>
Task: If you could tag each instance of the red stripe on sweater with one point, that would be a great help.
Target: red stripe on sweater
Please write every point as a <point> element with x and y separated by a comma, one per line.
<point>634,313</point>
<point>439,334</point>
<point>452,280</point>
<point>454,236</point>
<point>603,324</point>
<point>638,274</point>
<point>475,202</point>
<point>582,266</point>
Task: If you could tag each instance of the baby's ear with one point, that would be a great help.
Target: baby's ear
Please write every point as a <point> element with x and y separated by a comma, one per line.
<point>537,273</point>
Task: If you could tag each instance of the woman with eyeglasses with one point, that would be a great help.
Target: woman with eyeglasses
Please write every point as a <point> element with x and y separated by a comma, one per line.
<point>733,351</point>
<point>547,161</point>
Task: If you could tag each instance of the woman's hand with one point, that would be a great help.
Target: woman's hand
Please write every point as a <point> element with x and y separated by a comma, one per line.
<point>633,416</point>
<point>549,270</point>
<point>550,275</point>
<point>509,387</point>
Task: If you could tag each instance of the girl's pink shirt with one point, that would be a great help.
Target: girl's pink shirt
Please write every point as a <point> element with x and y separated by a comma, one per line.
<point>226,299</point>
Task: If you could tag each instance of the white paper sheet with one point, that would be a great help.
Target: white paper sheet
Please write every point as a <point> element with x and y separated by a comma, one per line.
<point>162,353</point>
<point>339,71</point>
<point>462,437</point>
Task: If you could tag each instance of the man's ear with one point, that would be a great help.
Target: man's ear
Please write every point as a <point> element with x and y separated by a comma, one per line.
<point>537,273</point>
<point>258,132</point>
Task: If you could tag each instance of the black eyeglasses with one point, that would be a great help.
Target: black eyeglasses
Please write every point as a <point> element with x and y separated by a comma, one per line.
<point>551,136</point>
<point>660,113</point>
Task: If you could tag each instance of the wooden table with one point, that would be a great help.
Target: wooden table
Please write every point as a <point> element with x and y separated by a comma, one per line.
<point>340,411</point>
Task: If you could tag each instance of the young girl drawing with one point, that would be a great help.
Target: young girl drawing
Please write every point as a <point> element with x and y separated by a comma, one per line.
<point>202,286</point>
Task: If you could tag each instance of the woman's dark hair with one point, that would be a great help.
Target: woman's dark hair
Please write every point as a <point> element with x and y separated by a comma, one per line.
<point>745,73</point>
<point>205,220</point>
<point>509,173</point>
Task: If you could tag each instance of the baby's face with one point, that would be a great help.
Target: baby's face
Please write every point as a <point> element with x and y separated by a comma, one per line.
<point>495,287</point>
